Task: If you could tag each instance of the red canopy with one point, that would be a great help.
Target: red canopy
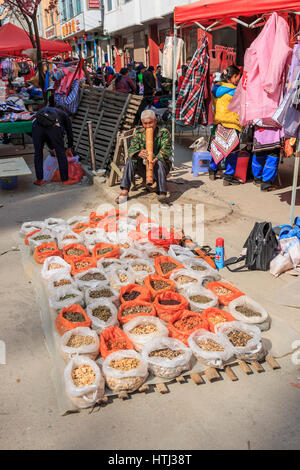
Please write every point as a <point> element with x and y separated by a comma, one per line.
<point>14,40</point>
<point>206,11</point>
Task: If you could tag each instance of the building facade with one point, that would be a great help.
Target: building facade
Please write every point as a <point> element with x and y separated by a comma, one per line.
<point>81,23</point>
<point>51,21</point>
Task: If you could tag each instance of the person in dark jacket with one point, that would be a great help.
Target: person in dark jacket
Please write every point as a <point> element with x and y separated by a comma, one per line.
<point>123,83</point>
<point>48,128</point>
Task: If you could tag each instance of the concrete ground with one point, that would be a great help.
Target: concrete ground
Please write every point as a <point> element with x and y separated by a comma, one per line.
<point>261,411</point>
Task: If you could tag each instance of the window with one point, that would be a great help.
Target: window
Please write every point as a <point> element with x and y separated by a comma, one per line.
<point>78,7</point>
<point>52,17</point>
<point>64,10</point>
<point>109,5</point>
<point>71,9</point>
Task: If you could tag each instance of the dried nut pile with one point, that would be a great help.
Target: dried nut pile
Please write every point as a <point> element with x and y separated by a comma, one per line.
<point>144,329</point>
<point>166,353</point>
<point>136,309</point>
<point>124,245</point>
<point>102,313</point>
<point>169,302</point>
<point>185,279</point>
<point>116,344</point>
<point>93,277</point>
<point>80,226</point>
<point>248,312</point>
<point>74,317</point>
<point>75,252</point>
<point>131,257</point>
<point>222,291</point>
<point>69,237</point>
<point>127,363</point>
<point>76,341</point>
<point>167,267</point>
<point>154,254</point>
<point>159,285</point>
<point>131,295</point>
<point>104,251</point>
<point>83,376</point>
<point>198,268</point>
<point>62,282</point>
<point>123,277</point>
<point>239,338</point>
<point>215,320</point>
<point>188,323</point>
<point>54,266</point>
<point>42,237</point>
<point>106,264</point>
<point>209,345</point>
<point>66,297</point>
<point>141,267</point>
<point>96,294</point>
<point>81,264</point>
<point>200,299</point>
<point>45,249</point>
<point>127,384</point>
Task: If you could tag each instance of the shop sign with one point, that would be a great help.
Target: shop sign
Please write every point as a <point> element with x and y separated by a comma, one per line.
<point>94,3</point>
<point>73,26</point>
<point>50,32</point>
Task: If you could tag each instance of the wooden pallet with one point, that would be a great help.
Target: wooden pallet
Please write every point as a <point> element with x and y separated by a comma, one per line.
<point>210,375</point>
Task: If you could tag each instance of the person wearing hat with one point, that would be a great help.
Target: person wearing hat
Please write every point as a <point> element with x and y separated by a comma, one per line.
<point>131,73</point>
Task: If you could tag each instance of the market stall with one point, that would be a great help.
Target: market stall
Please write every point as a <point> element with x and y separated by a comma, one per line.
<point>215,14</point>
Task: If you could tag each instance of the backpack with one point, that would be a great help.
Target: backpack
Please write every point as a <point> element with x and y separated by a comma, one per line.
<point>46,119</point>
<point>261,247</point>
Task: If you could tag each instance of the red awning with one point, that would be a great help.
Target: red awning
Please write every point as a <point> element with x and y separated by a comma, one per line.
<point>206,11</point>
<point>14,40</point>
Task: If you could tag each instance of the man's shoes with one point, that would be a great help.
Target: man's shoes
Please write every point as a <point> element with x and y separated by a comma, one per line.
<point>268,186</point>
<point>39,182</point>
<point>229,180</point>
<point>69,182</point>
<point>121,199</point>
<point>162,198</point>
<point>257,182</point>
<point>212,175</point>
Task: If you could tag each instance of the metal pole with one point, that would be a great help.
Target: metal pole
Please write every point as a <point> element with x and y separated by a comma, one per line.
<point>91,142</point>
<point>174,92</point>
<point>295,179</point>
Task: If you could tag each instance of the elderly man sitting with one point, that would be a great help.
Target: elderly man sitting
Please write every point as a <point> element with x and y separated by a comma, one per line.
<point>162,152</point>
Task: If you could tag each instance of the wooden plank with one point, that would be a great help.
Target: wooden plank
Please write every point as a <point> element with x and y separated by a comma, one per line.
<point>180,379</point>
<point>116,169</point>
<point>161,388</point>
<point>245,367</point>
<point>197,378</point>
<point>230,373</point>
<point>123,396</point>
<point>212,374</point>
<point>272,362</point>
<point>257,366</point>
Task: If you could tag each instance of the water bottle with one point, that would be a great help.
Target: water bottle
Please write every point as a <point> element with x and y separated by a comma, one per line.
<point>219,258</point>
<point>2,92</point>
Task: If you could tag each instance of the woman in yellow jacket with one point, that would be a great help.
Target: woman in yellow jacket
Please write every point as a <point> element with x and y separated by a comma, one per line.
<point>222,95</point>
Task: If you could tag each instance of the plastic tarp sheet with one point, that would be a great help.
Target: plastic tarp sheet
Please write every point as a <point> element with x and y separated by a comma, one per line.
<point>207,11</point>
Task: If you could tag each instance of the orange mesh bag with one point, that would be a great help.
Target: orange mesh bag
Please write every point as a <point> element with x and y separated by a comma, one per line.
<point>165,266</point>
<point>168,304</point>
<point>106,250</point>
<point>226,293</point>
<point>95,219</point>
<point>26,241</point>
<point>183,324</point>
<point>64,324</point>
<point>75,252</point>
<point>137,308</point>
<point>82,265</point>
<point>160,236</point>
<point>45,250</point>
<point>216,316</point>
<point>134,292</point>
<point>158,284</point>
<point>80,227</point>
<point>113,339</point>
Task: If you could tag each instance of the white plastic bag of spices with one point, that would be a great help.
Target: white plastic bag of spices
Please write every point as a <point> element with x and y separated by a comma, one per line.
<point>55,265</point>
<point>247,346</point>
<point>77,219</point>
<point>280,264</point>
<point>143,329</point>
<point>207,299</point>
<point>172,357</point>
<point>65,297</point>
<point>80,341</point>
<point>43,236</point>
<point>59,281</point>
<point>140,269</point>
<point>66,237</point>
<point>185,278</point>
<point>58,229</point>
<point>119,277</point>
<point>151,251</point>
<point>29,227</point>
<point>51,222</point>
<point>108,263</point>
<point>125,370</point>
<point>103,314</point>
<point>209,348</point>
<point>101,292</point>
<point>176,250</point>
<point>131,253</point>
<point>251,312</point>
<point>84,385</point>
<point>91,277</point>
<point>200,267</point>
<point>94,236</point>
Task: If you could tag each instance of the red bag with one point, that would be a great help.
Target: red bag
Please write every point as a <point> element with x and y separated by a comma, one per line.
<point>144,293</point>
<point>80,227</point>
<point>114,253</point>
<point>75,246</point>
<point>159,236</point>
<point>133,303</point>
<point>216,316</point>
<point>224,299</point>
<point>154,277</point>
<point>113,339</point>
<point>166,312</point>
<point>82,265</point>
<point>29,235</point>
<point>95,219</point>
<point>45,250</point>
<point>63,325</point>
<point>75,172</point>
<point>166,259</point>
<point>183,324</point>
